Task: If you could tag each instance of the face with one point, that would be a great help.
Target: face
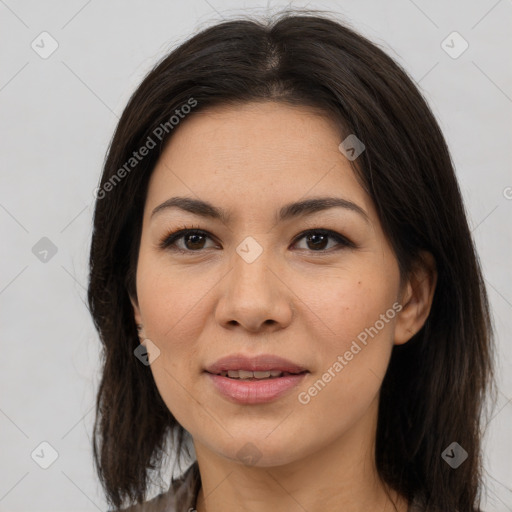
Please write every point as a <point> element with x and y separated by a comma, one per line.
<point>318,286</point>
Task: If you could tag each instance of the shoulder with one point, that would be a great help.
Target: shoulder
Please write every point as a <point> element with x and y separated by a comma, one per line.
<point>181,496</point>
<point>164,502</point>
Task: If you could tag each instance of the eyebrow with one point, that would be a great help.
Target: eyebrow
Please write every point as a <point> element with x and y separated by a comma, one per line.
<point>287,212</point>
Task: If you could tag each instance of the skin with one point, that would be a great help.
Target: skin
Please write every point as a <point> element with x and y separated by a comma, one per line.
<point>294,300</point>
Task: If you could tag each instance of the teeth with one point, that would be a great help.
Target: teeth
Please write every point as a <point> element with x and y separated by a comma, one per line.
<point>261,375</point>
<point>245,374</point>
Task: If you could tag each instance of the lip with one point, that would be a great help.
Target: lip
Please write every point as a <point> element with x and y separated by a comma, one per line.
<point>261,362</point>
<point>255,391</point>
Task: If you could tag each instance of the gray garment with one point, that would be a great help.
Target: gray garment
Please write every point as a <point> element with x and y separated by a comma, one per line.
<point>182,496</point>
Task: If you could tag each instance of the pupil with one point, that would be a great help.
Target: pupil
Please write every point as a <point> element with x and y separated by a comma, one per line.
<point>193,237</point>
<point>315,243</point>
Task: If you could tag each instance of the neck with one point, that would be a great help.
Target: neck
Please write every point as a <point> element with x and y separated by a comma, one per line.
<point>340,476</point>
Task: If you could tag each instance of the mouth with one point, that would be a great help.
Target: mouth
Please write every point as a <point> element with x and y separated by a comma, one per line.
<point>262,366</point>
<point>256,375</point>
<point>255,380</point>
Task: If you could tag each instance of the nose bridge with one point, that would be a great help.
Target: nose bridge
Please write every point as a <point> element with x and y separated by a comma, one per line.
<point>250,275</point>
<point>252,294</point>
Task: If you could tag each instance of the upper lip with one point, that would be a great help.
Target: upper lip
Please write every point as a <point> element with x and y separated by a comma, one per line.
<point>261,362</point>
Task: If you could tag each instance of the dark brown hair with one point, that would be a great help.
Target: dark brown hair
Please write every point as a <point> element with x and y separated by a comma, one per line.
<point>435,387</point>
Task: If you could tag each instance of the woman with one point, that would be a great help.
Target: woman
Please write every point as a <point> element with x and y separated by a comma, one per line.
<point>281,269</point>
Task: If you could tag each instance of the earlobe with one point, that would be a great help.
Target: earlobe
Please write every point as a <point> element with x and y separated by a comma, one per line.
<point>417,298</point>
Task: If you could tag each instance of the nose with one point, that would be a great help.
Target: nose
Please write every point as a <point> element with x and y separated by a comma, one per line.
<point>254,298</point>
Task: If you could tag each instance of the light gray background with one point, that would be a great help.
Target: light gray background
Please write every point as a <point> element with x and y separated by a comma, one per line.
<point>57,118</point>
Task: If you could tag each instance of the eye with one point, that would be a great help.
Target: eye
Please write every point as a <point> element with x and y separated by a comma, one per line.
<point>318,239</point>
<point>193,240</point>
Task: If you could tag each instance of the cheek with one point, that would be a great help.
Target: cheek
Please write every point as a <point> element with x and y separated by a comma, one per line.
<point>354,355</point>
<point>169,301</point>
<point>172,310</point>
<point>170,307</point>
<point>353,306</point>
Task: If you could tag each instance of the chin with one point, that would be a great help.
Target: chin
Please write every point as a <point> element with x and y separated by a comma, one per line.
<point>258,452</point>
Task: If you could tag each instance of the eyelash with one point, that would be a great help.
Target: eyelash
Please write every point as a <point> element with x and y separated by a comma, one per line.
<point>169,240</point>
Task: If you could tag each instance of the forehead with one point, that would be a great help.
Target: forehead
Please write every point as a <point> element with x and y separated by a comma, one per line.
<point>255,155</point>
<point>268,128</point>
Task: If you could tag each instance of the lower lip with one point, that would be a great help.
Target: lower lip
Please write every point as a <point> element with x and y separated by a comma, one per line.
<point>255,391</point>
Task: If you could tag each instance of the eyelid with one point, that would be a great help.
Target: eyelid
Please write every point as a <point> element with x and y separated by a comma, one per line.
<point>168,241</point>
<point>341,239</point>
<point>171,237</point>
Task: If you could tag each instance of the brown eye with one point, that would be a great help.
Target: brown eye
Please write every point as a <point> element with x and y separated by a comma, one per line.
<point>192,240</point>
<point>317,240</point>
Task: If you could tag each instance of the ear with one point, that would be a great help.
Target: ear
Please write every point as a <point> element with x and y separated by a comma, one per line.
<point>416,298</point>
<point>136,311</point>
